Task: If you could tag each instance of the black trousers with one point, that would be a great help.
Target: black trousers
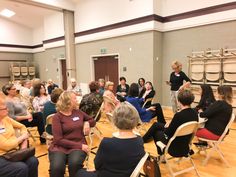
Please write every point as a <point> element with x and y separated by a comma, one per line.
<point>28,168</point>
<point>84,173</point>
<point>159,113</point>
<point>36,122</point>
<point>156,132</point>
<point>58,161</point>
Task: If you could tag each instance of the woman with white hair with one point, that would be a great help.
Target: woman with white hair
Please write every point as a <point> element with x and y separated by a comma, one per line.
<point>118,156</point>
<point>177,78</point>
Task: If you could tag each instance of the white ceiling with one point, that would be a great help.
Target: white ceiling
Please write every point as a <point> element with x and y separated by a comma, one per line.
<point>31,16</point>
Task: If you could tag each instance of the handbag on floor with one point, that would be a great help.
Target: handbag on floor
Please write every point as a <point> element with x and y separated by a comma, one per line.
<point>19,155</point>
<point>151,167</point>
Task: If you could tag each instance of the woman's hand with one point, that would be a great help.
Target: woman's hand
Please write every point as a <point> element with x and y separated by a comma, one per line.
<point>85,148</point>
<point>152,108</point>
<point>24,144</point>
<point>86,128</point>
<point>23,137</point>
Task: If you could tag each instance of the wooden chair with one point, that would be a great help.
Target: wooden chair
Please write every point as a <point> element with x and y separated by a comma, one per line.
<point>197,70</point>
<point>94,130</point>
<point>185,129</point>
<point>139,166</point>
<point>24,71</point>
<point>213,71</point>
<point>47,136</point>
<point>229,72</point>
<point>213,145</point>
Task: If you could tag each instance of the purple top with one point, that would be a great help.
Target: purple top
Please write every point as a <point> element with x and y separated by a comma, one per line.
<point>68,131</point>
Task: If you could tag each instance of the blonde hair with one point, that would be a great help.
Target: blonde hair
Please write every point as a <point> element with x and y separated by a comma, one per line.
<point>108,83</point>
<point>125,116</point>
<point>64,101</point>
<point>177,64</point>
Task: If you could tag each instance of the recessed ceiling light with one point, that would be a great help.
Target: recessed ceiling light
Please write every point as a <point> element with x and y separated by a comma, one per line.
<point>7,13</point>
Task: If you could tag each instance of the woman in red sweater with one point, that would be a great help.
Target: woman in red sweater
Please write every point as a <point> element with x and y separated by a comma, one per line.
<point>69,127</point>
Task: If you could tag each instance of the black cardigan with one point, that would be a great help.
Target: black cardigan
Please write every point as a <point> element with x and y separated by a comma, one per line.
<point>218,115</point>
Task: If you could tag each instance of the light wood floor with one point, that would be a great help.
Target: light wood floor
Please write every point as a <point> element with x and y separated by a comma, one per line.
<point>214,168</point>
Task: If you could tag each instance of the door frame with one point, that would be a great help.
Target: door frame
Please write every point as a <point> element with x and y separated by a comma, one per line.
<point>93,57</point>
<point>60,71</point>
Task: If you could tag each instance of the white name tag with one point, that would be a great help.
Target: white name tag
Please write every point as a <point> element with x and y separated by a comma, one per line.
<point>75,118</point>
<point>2,130</point>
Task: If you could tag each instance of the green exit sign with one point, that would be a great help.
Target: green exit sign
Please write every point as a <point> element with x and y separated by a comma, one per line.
<point>103,51</point>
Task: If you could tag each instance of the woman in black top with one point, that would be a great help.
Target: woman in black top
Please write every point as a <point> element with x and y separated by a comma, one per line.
<point>207,98</point>
<point>147,92</point>
<point>177,78</point>
<point>122,89</point>
<point>160,132</point>
<point>218,114</point>
<point>118,156</point>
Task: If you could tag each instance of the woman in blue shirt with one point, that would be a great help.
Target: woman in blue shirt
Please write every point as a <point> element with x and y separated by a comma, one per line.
<point>145,114</point>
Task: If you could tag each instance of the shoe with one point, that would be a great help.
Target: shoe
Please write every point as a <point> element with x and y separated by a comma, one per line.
<point>191,152</point>
<point>201,144</point>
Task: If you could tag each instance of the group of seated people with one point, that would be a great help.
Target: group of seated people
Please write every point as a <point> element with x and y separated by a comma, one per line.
<point>72,122</point>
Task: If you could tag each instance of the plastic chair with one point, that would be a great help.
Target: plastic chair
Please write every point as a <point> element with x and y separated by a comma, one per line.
<point>214,144</point>
<point>139,166</point>
<point>188,128</point>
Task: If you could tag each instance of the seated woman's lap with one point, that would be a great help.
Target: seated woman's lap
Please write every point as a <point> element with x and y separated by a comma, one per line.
<point>19,169</point>
<point>204,133</point>
<point>58,161</point>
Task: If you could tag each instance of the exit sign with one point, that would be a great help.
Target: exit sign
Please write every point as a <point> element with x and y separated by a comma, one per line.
<point>103,51</point>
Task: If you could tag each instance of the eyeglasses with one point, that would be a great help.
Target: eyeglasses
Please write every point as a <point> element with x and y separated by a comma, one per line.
<point>13,89</point>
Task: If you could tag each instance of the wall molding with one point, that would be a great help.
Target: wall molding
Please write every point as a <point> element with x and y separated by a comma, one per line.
<point>148,18</point>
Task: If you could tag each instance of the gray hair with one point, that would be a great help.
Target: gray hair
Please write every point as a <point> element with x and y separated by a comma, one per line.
<point>125,116</point>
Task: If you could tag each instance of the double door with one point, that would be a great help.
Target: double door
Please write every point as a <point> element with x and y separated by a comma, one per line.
<point>106,67</point>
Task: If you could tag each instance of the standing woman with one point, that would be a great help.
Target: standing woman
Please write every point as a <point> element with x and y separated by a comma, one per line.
<point>177,78</point>
<point>69,127</point>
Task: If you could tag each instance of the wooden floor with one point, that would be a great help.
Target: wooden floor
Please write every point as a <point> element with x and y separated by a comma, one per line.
<point>214,168</point>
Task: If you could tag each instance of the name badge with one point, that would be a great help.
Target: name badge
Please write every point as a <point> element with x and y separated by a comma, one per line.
<point>2,130</point>
<point>75,118</point>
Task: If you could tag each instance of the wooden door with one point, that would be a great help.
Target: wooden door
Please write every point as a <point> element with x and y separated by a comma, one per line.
<point>63,74</point>
<point>106,67</point>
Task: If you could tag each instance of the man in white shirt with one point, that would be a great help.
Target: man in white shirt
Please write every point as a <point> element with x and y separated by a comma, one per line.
<point>74,87</point>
